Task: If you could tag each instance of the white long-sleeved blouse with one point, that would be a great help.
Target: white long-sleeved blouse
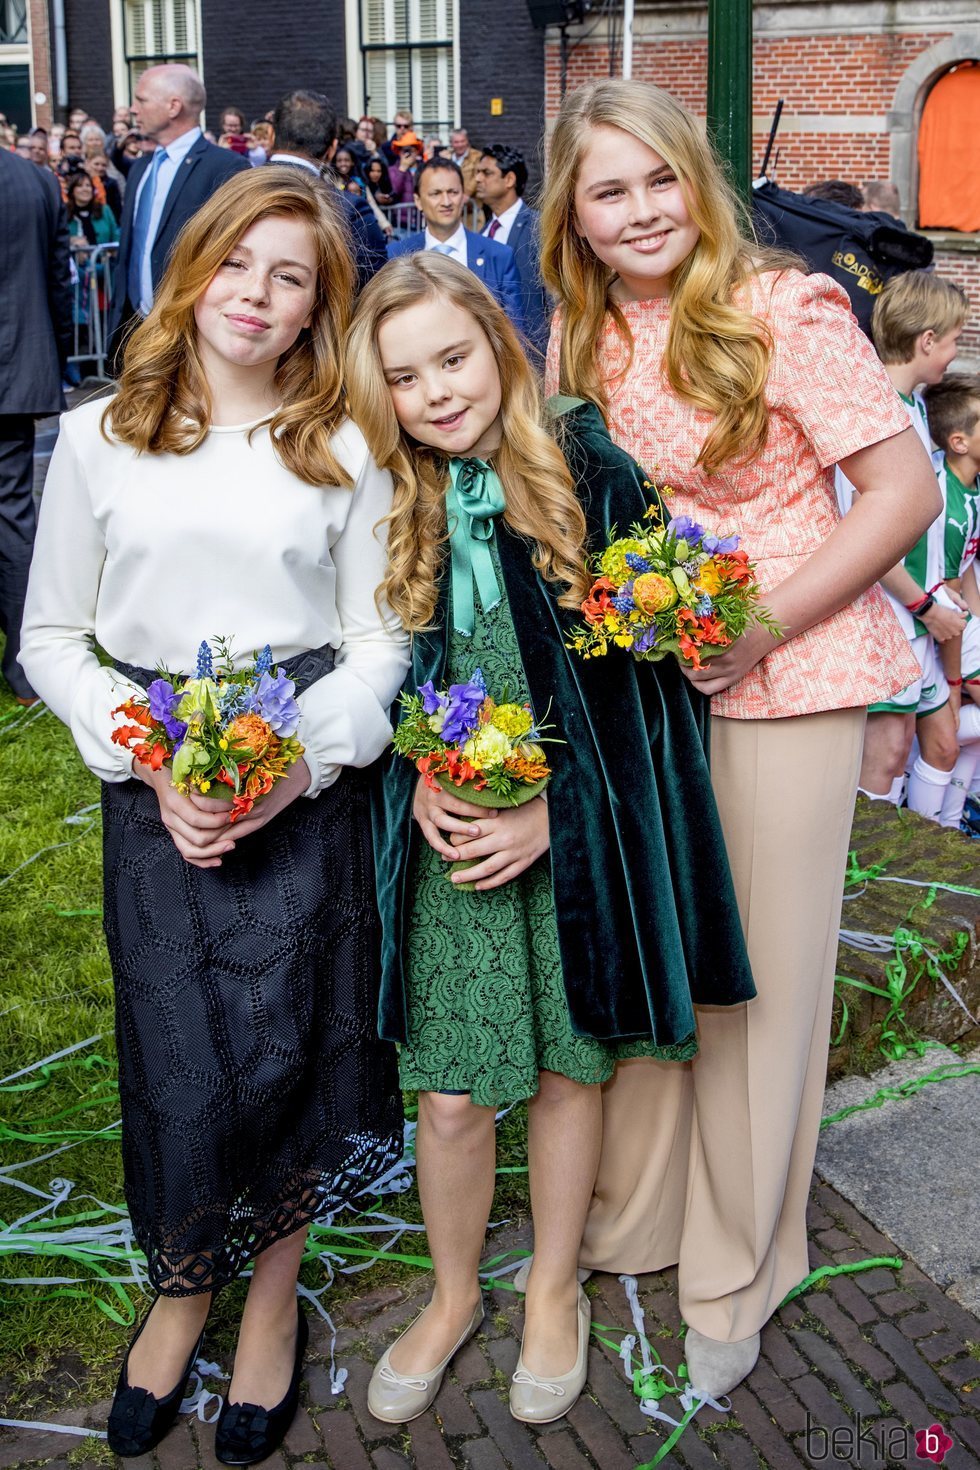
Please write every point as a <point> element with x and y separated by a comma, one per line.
<point>148,554</point>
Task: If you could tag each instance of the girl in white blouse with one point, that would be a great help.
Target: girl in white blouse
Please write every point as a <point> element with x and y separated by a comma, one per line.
<point>222,493</point>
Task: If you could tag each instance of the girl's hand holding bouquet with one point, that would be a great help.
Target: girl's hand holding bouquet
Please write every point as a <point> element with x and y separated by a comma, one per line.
<point>489,752</point>
<point>678,589</point>
<point>219,750</point>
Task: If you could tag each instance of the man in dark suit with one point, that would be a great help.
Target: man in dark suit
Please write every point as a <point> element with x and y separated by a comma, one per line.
<point>501,178</point>
<point>305,125</point>
<point>35,340</point>
<point>440,196</point>
<point>164,188</point>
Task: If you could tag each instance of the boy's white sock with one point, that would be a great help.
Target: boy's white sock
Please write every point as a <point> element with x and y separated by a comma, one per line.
<point>927,788</point>
<point>898,789</point>
<point>959,784</point>
<point>877,795</point>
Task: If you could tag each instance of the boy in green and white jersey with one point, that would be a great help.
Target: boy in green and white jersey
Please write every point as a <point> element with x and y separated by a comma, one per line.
<point>916,324</point>
<point>953,407</point>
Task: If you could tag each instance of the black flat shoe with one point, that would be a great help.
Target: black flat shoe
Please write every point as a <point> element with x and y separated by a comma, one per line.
<point>247,1433</point>
<point>138,1420</point>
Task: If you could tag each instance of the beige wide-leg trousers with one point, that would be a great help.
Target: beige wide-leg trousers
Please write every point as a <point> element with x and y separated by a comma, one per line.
<point>708,1163</point>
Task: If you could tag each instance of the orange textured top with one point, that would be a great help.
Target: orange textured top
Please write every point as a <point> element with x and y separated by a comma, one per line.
<point>828,396</point>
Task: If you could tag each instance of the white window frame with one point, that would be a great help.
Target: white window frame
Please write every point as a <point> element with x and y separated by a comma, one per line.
<point>355,62</point>
<point>122,81</point>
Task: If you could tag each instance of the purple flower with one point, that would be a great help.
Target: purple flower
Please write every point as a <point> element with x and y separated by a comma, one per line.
<point>645,641</point>
<point>463,708</point>
<point>431,698</point>
<point>684,529</point>
<point>163,701</point>
<point>272,698</point>
<point>727,544</point>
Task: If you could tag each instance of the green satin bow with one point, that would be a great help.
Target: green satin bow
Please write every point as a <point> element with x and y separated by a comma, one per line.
<point>473,497</point>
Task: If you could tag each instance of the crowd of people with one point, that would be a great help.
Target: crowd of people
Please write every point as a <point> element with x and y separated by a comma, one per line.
<point>359,470</point>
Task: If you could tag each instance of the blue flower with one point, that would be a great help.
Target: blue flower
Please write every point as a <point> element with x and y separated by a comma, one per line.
<point>637,564</point>
<point>704,606</point>
<point>163,701</point>
<point>263,663</point>
<point>684,529</point>
<point>623,603</point>
<point>205,663</point>
<point>272,698</point>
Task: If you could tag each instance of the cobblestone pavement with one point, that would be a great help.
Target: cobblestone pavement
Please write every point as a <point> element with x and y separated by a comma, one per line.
<point>888,1347</point>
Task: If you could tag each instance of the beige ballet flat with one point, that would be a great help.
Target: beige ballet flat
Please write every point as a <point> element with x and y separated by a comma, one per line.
<point>536,1400</point>
<point>714,1367</point>
<point>520,1277</point>
<point>396,1398</point>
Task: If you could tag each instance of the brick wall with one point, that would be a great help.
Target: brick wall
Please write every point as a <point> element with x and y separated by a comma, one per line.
<point>834,78</point>
<point>960,262</point>
<point>253,55</point>
<point>483,28</point>
<point>89,45</point>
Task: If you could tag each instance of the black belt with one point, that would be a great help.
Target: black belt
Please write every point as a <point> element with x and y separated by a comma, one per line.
<point>303,668</point>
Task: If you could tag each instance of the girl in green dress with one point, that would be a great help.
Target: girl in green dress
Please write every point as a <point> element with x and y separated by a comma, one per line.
<point>602,910</point>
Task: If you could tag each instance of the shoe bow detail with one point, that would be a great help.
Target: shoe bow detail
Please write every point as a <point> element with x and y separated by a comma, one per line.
<point>524,1375</point>
<point>391,1376</point>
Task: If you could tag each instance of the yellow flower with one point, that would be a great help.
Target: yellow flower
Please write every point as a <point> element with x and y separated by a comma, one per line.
<point>490,747</point>
<point>222,744</point>
<point>709,578</point>
<point>623,640</point>
<point>513,719</point>
<point>613,561</point>
<point>205,786</point>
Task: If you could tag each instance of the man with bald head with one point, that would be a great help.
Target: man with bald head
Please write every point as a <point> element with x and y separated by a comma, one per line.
<point>164,188</point>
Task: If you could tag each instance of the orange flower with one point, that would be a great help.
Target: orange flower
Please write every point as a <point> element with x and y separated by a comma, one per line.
<point>134,711</point>
<point>123,734</point>
<point>735,567</point>
<point>252,732</point>
<point>712,630</point>
<point>597,603</point>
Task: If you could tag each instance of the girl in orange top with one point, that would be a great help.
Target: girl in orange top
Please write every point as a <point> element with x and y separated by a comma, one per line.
<point>738,383</point>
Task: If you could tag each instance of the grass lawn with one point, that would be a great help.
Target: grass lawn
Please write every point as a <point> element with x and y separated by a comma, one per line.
<point>58,1345</point>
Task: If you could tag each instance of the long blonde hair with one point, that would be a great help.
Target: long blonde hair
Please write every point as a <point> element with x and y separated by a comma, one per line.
<point>541,500</point>
<point>717,354</point>
<point>164,405</point>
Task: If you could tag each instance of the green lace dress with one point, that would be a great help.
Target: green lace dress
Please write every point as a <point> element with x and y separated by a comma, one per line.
<point>486,1000</point>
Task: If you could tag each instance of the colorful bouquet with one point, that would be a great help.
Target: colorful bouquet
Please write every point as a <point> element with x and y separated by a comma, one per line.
<point>226,733</point>
<point>675,589</point>
<point>461,739</point>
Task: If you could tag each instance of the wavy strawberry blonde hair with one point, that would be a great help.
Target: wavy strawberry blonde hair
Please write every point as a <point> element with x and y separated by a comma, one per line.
<point>717,354</point>
<point>163,405</point>
<point>541,500</point>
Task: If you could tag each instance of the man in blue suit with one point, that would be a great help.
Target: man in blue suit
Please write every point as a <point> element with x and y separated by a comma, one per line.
<point>501,178</point>
<point>440,195</point>
<point>164,188</point>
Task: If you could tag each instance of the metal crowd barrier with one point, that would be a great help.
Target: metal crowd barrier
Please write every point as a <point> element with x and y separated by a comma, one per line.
<point>406,219</point>
<point>93,269</point>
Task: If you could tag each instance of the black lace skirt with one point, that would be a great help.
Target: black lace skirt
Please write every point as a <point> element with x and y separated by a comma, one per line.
<point>256,1095</point>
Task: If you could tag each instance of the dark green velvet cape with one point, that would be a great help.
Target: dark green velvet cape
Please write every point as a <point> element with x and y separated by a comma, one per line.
<point>647,920</point>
